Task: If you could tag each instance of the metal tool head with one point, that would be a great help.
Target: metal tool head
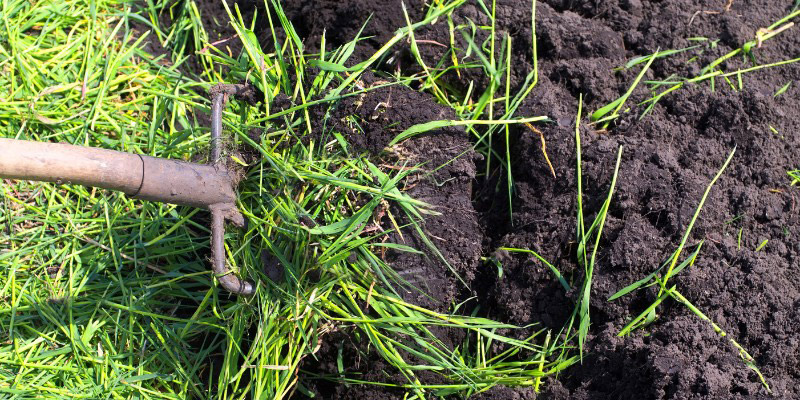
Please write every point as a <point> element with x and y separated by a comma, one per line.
<point>226,212</point>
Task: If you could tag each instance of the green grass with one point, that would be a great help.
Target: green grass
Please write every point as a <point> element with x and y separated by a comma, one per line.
<point>661,276</point>
<point>101,293</point>
<point>490,56</point>
<point>794,176</point>
<point>106,296</point>
<point>610,111</point>
<point>497,105</point>
<point>585,236</point>
<point>709,72</point>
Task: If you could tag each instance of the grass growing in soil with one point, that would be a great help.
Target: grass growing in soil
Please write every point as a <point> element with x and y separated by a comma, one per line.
<point>795,176</point>
<point>575,330</point>
<point>671,268</point>
<point>106,296</point>
<point>710,72</point>
<point>585,237</point>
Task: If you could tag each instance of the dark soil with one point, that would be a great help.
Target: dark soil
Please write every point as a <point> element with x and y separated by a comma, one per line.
<point>341,21</point>
<point>455,230</point>
<point>215,21</point>
<point>669,158</point>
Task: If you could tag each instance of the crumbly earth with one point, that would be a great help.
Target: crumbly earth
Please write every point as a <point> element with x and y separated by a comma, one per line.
<point>669,157</point>
<point>454,227</point>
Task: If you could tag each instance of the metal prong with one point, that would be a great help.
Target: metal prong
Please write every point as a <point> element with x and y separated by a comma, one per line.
<point>229,281</point>
<point>217,104</point>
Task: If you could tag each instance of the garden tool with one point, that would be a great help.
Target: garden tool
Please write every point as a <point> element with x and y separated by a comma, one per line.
<point>209,186</point>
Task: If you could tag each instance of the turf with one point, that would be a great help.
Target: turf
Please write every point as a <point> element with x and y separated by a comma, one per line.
<point>106,296</point>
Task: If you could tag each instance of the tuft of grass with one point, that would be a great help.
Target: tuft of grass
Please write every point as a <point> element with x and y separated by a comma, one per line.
<point>577,326</point>
<point>709,73</point>
<point>688,232</point>
<point>585,236</point>
<point>669,267</point>
<point>336,276</point>
<point>660,277</point>
<point>794,175</point>
<point>496,65</point>
<point>610,111</point>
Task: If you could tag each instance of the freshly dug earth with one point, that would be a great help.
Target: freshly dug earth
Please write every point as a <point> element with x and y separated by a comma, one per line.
<point>669,157</point>
<point>444,165</point>
<point>454,229</point>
